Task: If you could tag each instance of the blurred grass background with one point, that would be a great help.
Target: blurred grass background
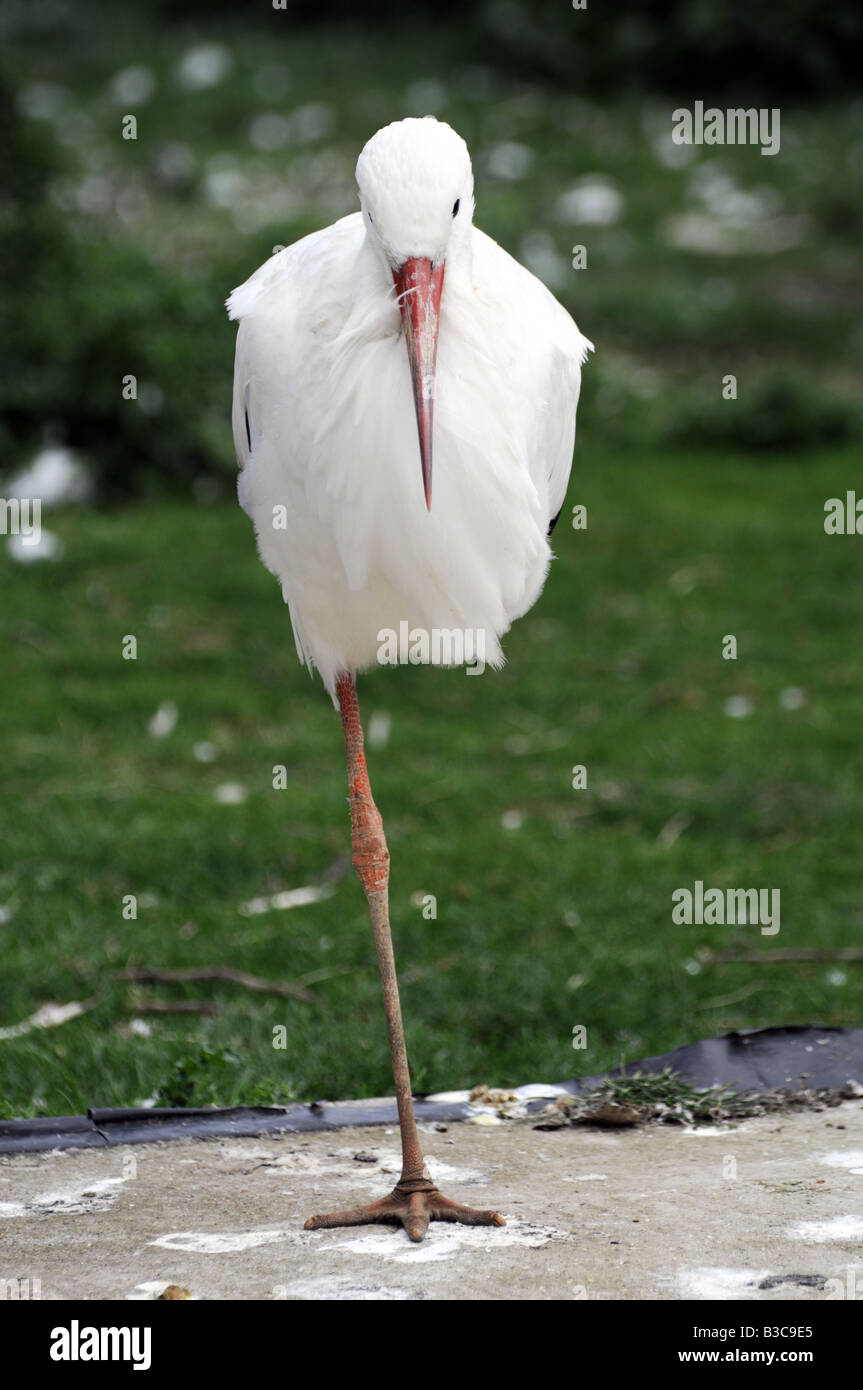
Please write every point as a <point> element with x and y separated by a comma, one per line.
<point>705,518</point>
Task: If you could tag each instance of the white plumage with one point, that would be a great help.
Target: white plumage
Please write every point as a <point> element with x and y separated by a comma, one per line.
<point>325,419</point>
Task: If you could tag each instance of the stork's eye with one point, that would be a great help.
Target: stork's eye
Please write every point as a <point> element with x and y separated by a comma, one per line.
<point>455,207</point>
<point>371,219</point>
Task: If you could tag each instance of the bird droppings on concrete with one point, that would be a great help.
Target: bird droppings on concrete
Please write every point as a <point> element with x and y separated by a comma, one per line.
<point>724,1284</point>
<point>835,1228</point>
<point>445,1241</point>
<point>71,1201</point>
<point>219,1242</point>
<point>851,1160</point>
<point>636,1213</point>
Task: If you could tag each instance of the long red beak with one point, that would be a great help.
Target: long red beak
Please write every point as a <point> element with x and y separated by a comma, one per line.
<point>419,285</point>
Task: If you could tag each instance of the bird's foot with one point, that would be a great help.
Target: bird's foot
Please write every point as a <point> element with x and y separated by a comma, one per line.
<point>413,1205</point>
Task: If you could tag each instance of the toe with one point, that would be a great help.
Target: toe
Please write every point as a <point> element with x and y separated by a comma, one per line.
<point>416,1220</point>
<point>467,1216</point>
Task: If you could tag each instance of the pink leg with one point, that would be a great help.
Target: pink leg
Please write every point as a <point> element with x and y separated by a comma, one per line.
<point>415,1200</point>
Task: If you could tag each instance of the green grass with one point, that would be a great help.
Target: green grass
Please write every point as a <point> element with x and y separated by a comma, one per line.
<point>564,921</point>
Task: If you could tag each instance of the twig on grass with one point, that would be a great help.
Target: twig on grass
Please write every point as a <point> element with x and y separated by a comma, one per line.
<point>223,974</point>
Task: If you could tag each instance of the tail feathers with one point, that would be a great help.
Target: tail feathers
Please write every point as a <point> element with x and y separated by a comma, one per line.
<point>303,652</point>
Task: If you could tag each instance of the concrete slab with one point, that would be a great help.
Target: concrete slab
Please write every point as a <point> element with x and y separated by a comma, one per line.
<point>770,1208</point>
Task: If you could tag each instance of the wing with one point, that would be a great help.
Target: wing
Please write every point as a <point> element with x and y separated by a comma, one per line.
<point>290,304</point>
<point>557,442</point>
<point>555,427</point>
<point>250,303</point>
<point>550,352</point>
<point>293,297</point>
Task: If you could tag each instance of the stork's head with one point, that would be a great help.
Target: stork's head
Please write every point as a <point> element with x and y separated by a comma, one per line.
<point>416,192</point>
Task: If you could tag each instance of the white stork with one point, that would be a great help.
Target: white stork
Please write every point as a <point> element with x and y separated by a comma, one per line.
<point>402,325</point>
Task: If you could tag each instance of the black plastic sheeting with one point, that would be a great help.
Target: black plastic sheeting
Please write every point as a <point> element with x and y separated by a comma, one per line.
<point>749,1061</point>
<point>756,1060</point>
<point>114,1128</point>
